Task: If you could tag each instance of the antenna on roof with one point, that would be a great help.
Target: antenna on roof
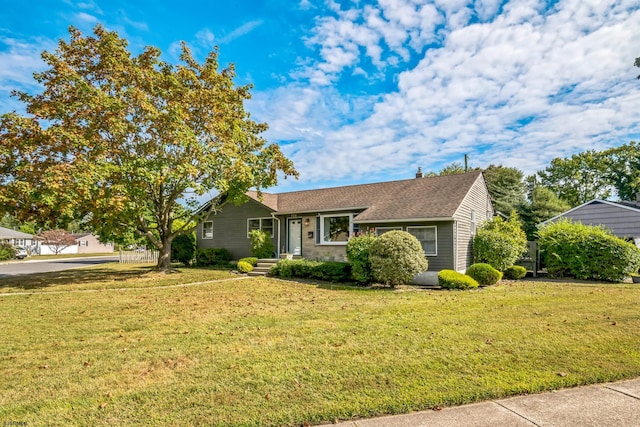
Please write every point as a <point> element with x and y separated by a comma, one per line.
<point>466,163</point>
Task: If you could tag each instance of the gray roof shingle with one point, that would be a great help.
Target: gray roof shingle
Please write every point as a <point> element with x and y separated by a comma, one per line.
<point>418,198</point>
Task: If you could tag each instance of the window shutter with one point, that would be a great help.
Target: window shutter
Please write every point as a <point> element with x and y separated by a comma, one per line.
<point>317,230</point>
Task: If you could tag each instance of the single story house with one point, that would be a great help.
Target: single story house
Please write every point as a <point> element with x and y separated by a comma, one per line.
<point>621,218</point>
<point>442,212</point>
<point>16,238</point>
<point>85,243</point>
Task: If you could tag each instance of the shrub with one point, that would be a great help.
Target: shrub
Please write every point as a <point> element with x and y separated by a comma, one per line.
<point>396,257</point>
<point>183,248</point>
<point>7,251</point>
<point>251,260</point>
<point>244,267</point>
<point>515,272</point>
<point>586,252</point>
<point>358,255</point>
<point>484,274</point>
<point>450,279</point>
<point>500,243</point>
<point>261,244</point>
<point>212,257</point>
<point>332,271</point>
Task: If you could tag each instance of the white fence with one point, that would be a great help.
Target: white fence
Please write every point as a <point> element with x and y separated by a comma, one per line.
<point>140,256</point>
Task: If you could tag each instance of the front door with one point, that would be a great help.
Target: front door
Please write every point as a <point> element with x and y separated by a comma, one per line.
<point>294,231</point>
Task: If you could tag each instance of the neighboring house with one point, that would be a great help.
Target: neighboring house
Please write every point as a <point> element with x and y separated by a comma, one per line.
<point>16,238</point>
<point>442,212</point>
<point>621,218</point>
<point>85,243</point>
<point>90,244</point>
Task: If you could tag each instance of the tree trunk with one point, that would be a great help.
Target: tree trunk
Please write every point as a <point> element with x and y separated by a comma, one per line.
<point>164,257</point>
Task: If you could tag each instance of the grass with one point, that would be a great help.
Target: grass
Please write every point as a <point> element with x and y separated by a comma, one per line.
<point>269,352</point>
<point>107,276</point>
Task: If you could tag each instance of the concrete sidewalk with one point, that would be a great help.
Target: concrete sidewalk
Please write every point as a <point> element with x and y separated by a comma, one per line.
<point>610,404</point>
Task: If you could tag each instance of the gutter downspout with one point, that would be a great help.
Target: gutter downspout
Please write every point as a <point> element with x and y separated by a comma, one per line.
<point>455,246</point>
<point>279,234</point>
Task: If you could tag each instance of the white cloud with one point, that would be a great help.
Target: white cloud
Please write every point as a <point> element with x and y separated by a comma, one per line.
<point>517,88</point>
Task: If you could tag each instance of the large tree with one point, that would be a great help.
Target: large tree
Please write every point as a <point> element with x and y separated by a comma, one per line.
<point>622,169</point>
<point>506,187</point>
<point>120,140</point>
<point>577,179</point>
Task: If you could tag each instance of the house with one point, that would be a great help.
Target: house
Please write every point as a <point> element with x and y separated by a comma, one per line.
<point>442,212</point>
<point>621,218</point>
<point>85,243</point>
<point>90,244</point>
<point>16,238</point>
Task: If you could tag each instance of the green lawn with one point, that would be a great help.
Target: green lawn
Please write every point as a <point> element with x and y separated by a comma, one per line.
<point>269,352</point>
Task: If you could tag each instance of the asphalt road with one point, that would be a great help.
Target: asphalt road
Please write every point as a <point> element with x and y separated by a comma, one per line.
<point>44,266</point>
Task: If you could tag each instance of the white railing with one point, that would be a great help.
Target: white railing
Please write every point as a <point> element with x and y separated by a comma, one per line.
<point>139,256</point>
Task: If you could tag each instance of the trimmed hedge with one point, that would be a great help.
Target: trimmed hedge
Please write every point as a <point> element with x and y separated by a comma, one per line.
<point>484,274</point>
<point>586,252</point>
<point>396,257</point>
<point>244,267</point>
<point>450,279</point>
<point>358,255</point>
<point>500,243</point>
<point>212,257</point>
<point>331,271</point>
<point>183,248</point>
<point>515,272</point>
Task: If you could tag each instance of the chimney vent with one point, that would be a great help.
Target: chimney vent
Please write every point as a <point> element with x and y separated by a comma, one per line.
<point>420,174</point>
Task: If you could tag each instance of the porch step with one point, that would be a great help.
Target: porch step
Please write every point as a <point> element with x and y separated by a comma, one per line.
<point>263,266</point>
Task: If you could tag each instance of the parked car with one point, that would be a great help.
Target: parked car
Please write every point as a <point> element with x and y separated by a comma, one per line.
<point>21,253</point>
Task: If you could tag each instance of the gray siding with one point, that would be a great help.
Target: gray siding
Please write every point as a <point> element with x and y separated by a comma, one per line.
<point>622,222</point>
<point>444,259</point>
<point>230,228</point>
<point>478,201</point>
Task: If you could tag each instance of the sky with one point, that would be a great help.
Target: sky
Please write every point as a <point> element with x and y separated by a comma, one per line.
<point>368,91</point>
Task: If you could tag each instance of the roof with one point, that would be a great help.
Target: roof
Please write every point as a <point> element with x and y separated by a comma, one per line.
<point>7,233</point>
<point>410,199</point>
<point>632,206</point>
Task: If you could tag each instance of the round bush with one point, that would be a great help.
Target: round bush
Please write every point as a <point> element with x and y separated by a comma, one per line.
<point>7,251</point>
<point>396,257</point>
<point>244,267</point>
<point>515,272</point>
<point>450,279</point>
<point>484,274</point>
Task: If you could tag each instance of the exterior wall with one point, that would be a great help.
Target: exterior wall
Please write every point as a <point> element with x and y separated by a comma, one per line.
<point>621,221</point>
<point>479,202</point>
<point>230,228</point>
<point>310,249</point>
<point>90,244</point>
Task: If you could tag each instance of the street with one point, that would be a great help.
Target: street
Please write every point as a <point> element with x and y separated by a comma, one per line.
<point>44,266</point>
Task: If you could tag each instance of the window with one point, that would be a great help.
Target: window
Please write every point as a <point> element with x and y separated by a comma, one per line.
<point>264,224</point>
<point>428,237</point>
<point>207,230</point>
<point>335,229</point>
<point>83,243</point>
<point>381,230</point>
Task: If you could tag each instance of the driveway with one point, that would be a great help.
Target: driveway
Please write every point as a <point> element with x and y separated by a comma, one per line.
<point>45,266</point>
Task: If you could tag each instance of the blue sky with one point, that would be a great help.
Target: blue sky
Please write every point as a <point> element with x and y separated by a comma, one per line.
<point>367,91</point>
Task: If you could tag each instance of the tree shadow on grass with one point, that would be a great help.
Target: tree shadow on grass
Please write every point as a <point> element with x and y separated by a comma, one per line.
<point>72,277</point>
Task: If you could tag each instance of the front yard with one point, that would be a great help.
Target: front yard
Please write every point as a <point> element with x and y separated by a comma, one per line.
<point>272,352</point>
